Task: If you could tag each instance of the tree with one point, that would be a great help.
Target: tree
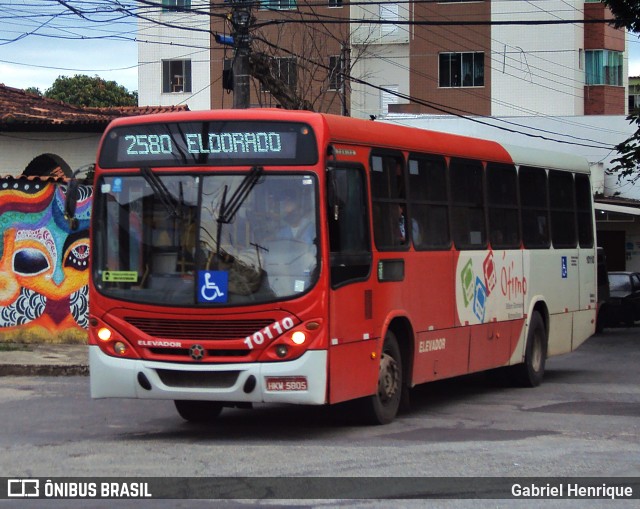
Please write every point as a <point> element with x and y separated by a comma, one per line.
<point>33,91</point>
<point>627,15</point>
<point>626,12</point>
<point>82,90</point>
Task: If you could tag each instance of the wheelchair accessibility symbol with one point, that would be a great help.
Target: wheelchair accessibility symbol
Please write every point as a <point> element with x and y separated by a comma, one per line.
<point>213,285</point>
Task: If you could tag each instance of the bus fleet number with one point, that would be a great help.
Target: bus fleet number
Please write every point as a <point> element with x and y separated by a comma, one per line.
<point>270,332</point>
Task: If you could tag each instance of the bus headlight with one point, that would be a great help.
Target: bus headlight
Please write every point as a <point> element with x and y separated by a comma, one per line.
<point>120,348</point>
<point>298,337</point>
<point>104,334</point>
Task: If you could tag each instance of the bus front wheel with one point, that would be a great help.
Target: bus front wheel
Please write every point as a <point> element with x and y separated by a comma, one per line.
<point>382,407</point>
<point>198,411</point>
<point>531,372</point>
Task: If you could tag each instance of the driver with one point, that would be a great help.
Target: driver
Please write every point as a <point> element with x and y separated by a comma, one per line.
<point>298,221</point>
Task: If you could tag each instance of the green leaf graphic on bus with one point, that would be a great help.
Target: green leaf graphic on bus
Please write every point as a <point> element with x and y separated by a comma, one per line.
<point>467,279</point>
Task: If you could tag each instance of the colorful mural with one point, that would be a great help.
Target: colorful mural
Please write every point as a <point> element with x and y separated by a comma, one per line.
<point>44,265</point>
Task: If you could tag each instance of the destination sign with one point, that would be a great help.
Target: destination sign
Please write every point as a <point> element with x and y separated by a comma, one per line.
<point>208,143</point>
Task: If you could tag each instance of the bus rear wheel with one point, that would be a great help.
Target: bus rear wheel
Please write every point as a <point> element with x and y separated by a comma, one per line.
<point>198,411</point>
<point>531,372</point>
<point>382,407</point>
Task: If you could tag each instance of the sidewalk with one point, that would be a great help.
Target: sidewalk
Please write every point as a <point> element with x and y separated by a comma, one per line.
<point>43,359</point>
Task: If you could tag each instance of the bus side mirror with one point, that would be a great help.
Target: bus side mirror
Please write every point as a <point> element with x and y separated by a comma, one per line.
<point>71,203</point>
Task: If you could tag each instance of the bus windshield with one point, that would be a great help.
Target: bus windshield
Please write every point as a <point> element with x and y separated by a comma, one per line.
<point>205,239</point>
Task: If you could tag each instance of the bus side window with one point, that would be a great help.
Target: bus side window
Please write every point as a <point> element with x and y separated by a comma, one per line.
<point>562,207</point>
<point>429,202</point>
<point>388,193</point>
<point>502,197</point>
<point>535,207</point>
<point>467,212</point>
<point>347,211</point>
<point>583,204</point>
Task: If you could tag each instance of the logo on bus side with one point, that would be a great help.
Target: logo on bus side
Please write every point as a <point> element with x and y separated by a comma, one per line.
<point>493,287</point>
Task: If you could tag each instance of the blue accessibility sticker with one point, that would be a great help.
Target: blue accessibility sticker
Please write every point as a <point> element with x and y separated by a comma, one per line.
<point>213,286</point>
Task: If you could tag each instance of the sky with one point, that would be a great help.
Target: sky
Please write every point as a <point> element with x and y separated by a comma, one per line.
<point>41,40</point>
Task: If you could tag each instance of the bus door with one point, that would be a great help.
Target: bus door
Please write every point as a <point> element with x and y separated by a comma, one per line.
<point>353,370</point>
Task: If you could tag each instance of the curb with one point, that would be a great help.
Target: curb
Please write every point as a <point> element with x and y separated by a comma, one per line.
<point>43,370</point>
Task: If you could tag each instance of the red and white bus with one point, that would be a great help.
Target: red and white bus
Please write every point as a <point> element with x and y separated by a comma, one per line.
<point>294,257</point>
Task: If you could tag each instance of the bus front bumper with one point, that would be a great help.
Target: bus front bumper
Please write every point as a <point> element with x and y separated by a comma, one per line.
<point>301,381</point>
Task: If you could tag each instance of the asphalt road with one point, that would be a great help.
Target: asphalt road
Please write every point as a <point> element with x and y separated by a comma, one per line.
<point>583,421</point>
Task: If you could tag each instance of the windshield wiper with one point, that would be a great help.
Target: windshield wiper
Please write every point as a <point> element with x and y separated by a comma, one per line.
<point>160,191</point>
<point>228,210</point>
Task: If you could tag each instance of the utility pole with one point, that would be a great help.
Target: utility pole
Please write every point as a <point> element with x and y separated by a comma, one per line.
<point>344,67</point>
<point>241,21</point>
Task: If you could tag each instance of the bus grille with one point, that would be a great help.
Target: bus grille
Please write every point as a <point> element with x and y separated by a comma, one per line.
<point>198,329</point>
<point>198,379</point>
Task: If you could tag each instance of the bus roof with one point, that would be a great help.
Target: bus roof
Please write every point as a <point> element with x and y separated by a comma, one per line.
<point>350,130</point>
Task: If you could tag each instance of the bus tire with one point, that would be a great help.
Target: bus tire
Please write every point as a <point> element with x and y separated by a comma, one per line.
<point>531,371</point>
<point>382,407</point>
<point>198,411</point>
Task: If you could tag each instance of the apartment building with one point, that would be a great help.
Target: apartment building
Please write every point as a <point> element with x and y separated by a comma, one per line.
<point>515,57</point>
<point>305,44</point>
<point>472,57</point>
<point>174,47</point>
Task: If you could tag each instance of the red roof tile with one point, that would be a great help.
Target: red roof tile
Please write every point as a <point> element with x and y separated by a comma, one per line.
<point>19,109</point>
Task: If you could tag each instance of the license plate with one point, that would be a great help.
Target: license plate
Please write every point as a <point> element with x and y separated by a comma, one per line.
<point>286,383</point>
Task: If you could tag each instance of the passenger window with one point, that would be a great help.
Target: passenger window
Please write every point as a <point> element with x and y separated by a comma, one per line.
<point>388,191</point>
<point>562,207</point>
<point>583,205</point>
<point>467,205</point>
<point>502,195</point>
<point>534,207</point>
<point>428,202</point>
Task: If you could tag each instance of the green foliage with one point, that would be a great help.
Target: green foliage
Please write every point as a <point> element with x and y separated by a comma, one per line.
<point>82,90</point>
<point>629,150</point>
<point>627,13</point>
<point>33,91</point>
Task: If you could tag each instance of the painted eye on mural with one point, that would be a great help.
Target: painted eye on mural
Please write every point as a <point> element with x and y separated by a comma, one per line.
<point>30,262</point>
<point>78,256</point>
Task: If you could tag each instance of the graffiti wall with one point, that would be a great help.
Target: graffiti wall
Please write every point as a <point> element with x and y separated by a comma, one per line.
<point>44,265</point>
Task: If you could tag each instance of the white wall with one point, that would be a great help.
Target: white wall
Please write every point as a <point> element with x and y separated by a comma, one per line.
<point>381,56</point>
<point>158,43</point>
<point>536,69</point>
<point>380,65</point>
<point>17,150</point>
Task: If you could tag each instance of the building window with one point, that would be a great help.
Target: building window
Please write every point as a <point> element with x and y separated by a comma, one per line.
<point>389,15</point>
<point>279,5</point>
<point>176,76</point>
<point>335,3</point>
<point>336,72</point>
<point>284,69</point>
<point>174,5</point>
<point>462,69</point>
<point>604,67</point>
<point>387,97</point>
